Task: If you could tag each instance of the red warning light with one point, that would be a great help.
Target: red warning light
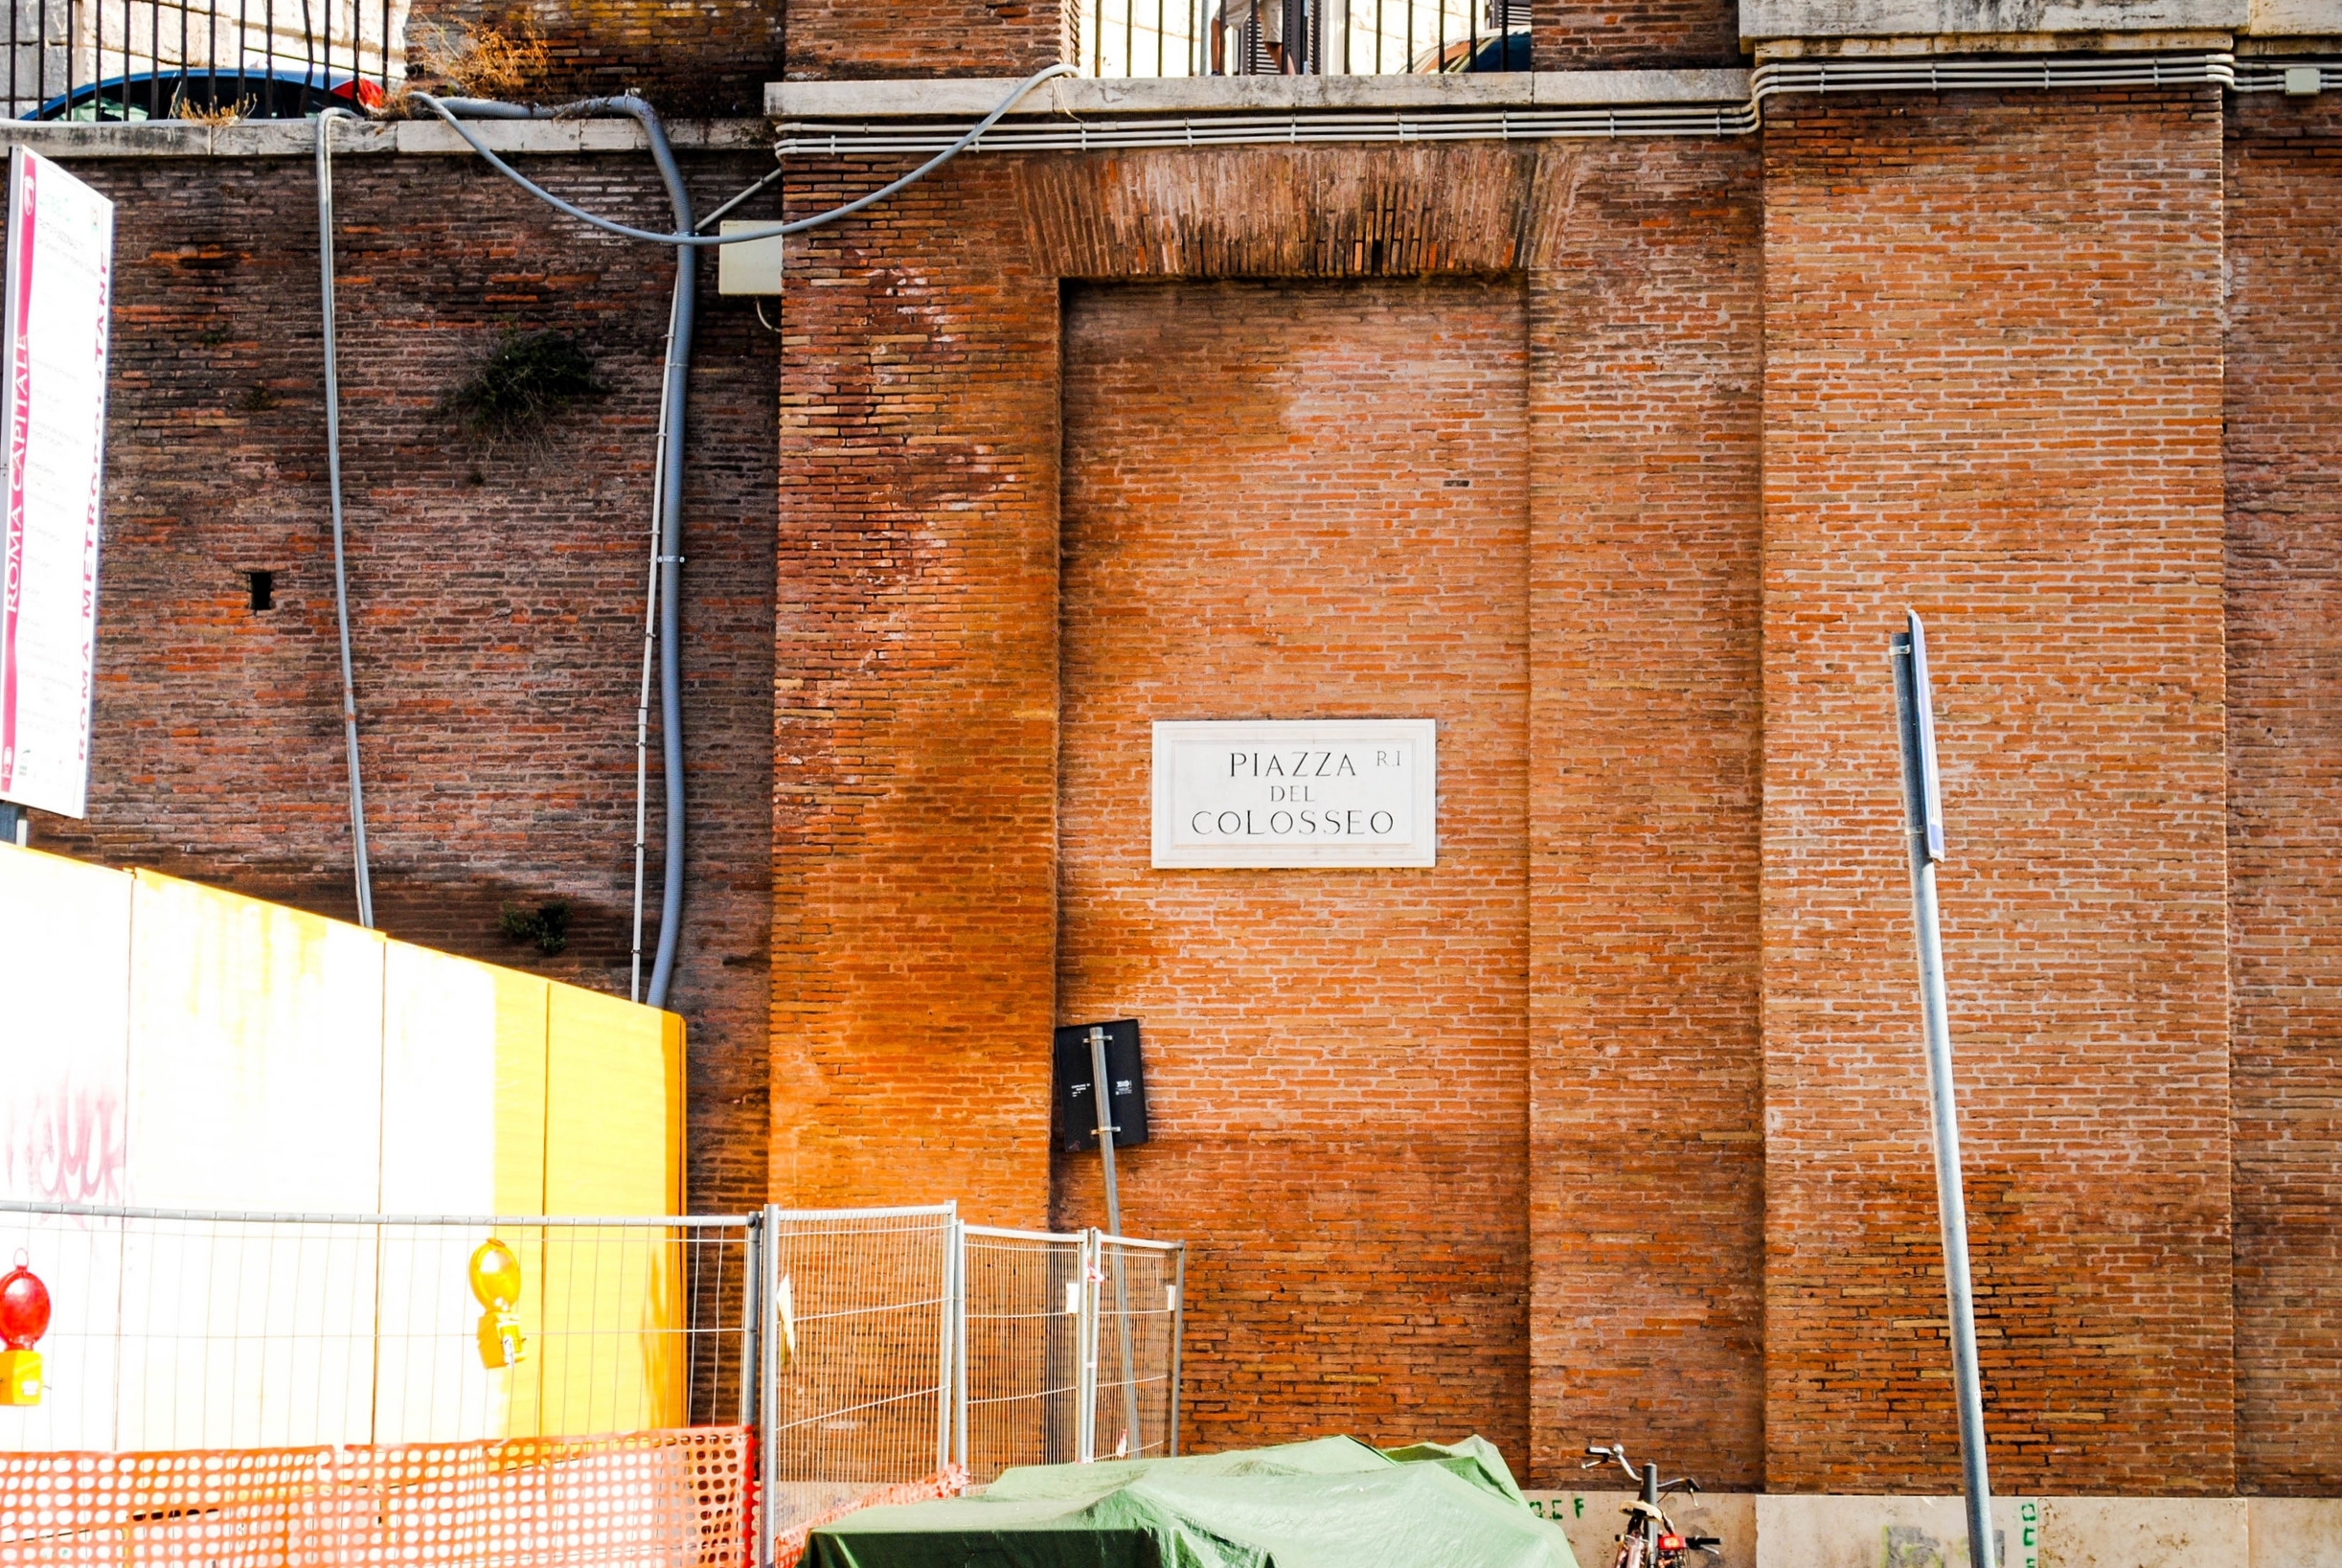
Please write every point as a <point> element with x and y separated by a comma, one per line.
<point>24,1317</point>
<point>24,1306</point>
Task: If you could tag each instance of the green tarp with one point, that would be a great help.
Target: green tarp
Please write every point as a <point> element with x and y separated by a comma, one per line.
<point>1334,1502</point>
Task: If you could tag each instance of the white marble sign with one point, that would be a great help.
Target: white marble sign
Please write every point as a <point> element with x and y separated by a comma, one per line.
<point>1296,792</point>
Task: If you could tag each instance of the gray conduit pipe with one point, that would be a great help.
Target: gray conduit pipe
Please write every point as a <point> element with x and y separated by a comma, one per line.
<point>667,525</point>
<point>334,478</point>
<point>642,697</point>
<point>668,519</point>
<point>447,109</point>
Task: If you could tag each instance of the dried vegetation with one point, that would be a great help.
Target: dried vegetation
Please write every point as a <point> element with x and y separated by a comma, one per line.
<point>478,60</point>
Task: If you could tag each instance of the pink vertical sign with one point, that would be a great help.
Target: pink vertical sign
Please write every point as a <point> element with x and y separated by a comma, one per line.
<point>60,276</point>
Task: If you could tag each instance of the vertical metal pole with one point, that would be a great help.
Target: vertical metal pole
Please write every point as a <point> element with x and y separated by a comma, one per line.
<point>1102,1090</point>
<point>1101,1093</point>
<point>1923,830</point>
<point>768,1379</point>
<point>1178,1322</point>
<point>1085,1335</point>
<point>752,1364</point>
<point>959,1401</point>
<point>334,478</point>
<point>752,1274</point>
<point>950,1330</point>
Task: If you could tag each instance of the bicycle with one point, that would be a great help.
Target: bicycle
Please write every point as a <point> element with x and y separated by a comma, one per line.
<point>1652,1539</point>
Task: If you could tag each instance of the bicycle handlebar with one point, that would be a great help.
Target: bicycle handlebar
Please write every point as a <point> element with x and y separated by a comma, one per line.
<point>1598,1454</point>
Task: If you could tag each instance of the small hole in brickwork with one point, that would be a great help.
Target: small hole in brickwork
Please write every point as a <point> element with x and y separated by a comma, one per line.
<point>1456,484</point>
<point>263,589</point>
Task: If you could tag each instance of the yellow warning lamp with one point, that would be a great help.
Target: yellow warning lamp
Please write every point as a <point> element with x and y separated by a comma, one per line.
<point>24,1317</point>
<point>495,1281</point>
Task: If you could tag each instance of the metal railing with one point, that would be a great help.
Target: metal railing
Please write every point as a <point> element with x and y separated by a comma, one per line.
<point>1300,37</point>
<point>176,59</point>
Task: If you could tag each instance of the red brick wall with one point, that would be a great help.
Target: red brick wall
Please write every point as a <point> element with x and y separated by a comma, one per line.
<point>711,57</point>
<point>1371,211</point>
<point>1635,34</point>
<point>917,708</point>
<point>916,703</point>
<point>1648,1166</point>
<point>1991,390</point>
<point>1991,383</point>
<point>496,595</point>
<point>2285,751</point>
<point>1302,500</point>
<point>853,41</point>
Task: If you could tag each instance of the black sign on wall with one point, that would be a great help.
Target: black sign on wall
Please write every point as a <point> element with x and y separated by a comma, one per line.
<point>1077,1104</point>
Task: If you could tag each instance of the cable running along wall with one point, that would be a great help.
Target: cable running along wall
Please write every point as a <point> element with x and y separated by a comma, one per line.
<point>664,594</point>
<point>1528,121</point>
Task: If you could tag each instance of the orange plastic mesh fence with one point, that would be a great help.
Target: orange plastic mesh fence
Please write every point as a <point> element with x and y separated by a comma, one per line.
<point>789,1547</point>
<point>674,1499</point>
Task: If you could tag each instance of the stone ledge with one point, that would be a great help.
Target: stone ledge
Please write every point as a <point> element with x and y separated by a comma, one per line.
<point>298,138</point>
<point>972,98</point>
<point>1999,44</point>
<point>598,135</point>
<point>1764,19</point>
<point>1845,1531</point>
<point>2320,19</point>
<point>2069,24</point>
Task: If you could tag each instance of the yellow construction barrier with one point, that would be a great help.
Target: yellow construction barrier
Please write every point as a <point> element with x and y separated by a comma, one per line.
<point>173,1046</point>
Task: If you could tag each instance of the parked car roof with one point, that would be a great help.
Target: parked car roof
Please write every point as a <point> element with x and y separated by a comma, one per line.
<point>1492,52</point>
<point>182,92</point>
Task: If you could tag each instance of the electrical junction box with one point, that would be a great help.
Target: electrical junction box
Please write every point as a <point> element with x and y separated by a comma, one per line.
<point>752,266</point>
<point>1076,1094</point>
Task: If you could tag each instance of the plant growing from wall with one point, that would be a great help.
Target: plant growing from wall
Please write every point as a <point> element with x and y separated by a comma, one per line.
<point>547,924</point>
<point>214,114</point>
<point>525,380</point>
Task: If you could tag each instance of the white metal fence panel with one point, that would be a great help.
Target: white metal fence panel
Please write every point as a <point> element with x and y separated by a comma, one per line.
<point>1022,1330</point>
<point>180,1330</point>
<point>871,1348</point>
<point>1136,1403</point>
<point>859,1342</point>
